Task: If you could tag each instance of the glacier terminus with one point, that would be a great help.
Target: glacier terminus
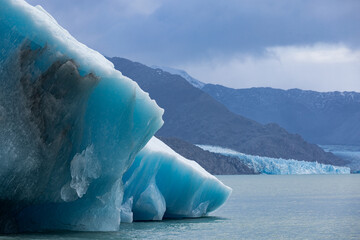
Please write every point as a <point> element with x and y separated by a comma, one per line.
<point>278,166</point>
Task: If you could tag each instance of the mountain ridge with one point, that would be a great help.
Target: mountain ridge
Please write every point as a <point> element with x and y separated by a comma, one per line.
<point>320,117</point>
<point>194,116</point>
<point>311,114</point>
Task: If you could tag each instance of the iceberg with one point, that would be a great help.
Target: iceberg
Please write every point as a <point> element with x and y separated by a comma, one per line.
<point>267,165</point>
<point>73,132</point>
<point>159,184</point>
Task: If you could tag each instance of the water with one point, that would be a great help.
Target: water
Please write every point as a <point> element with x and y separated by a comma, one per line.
<point>261,207</point>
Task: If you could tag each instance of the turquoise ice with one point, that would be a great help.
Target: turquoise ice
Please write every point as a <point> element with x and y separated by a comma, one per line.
<point>70,128</point>
<point>176,187</point>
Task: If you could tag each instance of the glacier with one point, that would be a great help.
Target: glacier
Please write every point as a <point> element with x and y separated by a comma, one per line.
<point>77,150</point>
<point>267,165</point>
<point>349,153</point>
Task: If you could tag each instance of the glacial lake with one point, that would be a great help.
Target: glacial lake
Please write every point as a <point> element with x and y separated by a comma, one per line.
<point>260,207</point>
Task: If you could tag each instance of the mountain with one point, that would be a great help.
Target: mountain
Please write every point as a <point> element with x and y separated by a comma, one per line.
<point>320,117</point>
<point>196,117</point>
<point>214,163</point>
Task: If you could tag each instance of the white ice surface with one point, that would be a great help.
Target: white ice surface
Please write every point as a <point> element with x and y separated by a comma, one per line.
<point>267,165</point>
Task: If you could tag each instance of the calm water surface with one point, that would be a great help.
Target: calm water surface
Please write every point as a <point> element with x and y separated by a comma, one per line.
<point>261,207</point>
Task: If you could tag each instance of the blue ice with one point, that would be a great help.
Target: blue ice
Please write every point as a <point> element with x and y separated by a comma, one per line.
<point>176,187</point>
<point>73,132</point>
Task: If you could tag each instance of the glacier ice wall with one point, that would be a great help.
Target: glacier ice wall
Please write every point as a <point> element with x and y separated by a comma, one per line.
<point>70,127</point>
<point>267,165</point>
<point>349,153</point>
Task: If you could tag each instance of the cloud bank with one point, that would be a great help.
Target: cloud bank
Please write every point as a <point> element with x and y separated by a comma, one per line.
<point>248,40</point>
<point>320,67</point>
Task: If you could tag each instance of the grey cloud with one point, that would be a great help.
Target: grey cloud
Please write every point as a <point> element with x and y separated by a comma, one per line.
<point>214,40</point>
<point>180,31</point>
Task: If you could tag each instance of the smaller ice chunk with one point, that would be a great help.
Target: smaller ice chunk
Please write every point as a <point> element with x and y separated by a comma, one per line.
<point>164,184</point>
<point>267,165</point>
<point>84,168</point>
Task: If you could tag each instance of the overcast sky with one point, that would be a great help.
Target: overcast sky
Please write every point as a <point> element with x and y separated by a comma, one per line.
<point>307,44</point>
